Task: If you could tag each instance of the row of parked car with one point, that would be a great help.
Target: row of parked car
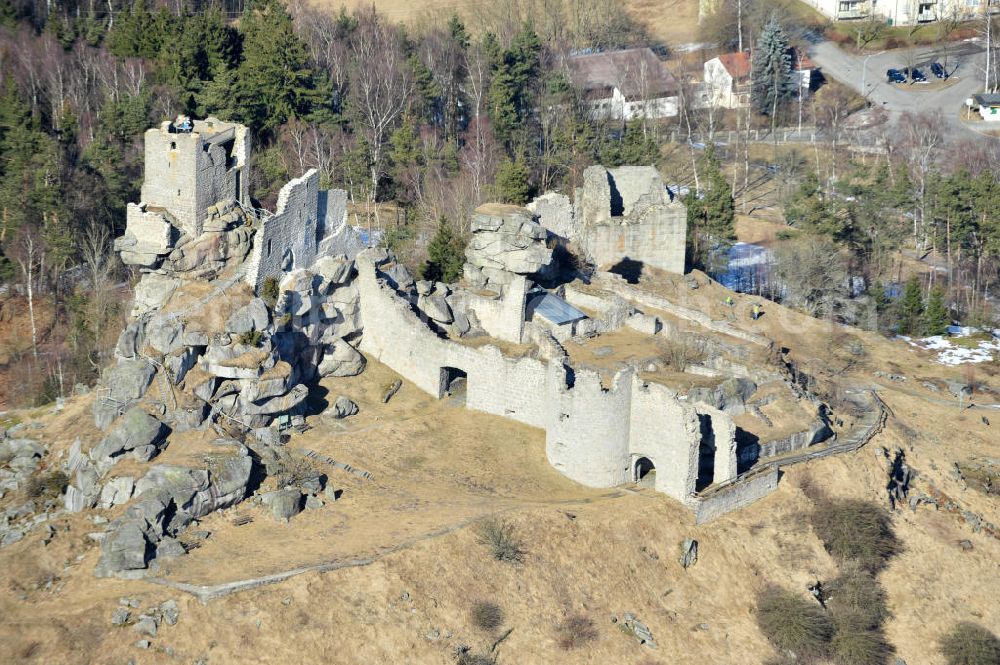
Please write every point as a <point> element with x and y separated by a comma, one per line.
<point>914,75</point>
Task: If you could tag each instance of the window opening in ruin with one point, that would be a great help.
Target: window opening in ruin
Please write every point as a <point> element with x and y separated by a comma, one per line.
<point>269,247</point>
<point>644,472</point>
<point>706,454</point>
<point>288,260</point>
<point>173,145</point>
<point>453,384</point>
<point>617,203</point>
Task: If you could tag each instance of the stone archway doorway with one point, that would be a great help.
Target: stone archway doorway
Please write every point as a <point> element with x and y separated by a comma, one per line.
<point>644,472</point>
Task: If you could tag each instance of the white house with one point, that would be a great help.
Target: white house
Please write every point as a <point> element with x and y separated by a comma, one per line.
<point>727,78</point>
<point>904,12</point>
<point>623,85</point>
<point>989,106</point>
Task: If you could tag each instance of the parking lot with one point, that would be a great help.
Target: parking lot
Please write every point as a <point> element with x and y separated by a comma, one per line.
<point>964,64</point>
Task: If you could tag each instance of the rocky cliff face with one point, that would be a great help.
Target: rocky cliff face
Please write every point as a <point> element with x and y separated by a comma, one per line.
<point>203,352</point>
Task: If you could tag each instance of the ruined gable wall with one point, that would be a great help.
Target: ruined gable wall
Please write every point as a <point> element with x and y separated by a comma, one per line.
<point>588,435</point>
<point>667,432</point>
<point>335,235</point>
<point>291,229</point>
<point>640,187</point>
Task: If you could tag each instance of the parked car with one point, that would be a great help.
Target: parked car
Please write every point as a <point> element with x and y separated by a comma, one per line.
<point>917,76</point>
<point>938,71</point>
<point>895,76</point>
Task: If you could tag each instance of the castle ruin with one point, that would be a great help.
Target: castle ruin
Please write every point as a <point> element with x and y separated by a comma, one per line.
<point>204,349</point>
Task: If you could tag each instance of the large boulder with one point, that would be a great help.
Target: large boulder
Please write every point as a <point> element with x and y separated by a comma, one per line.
<point>124,552</point>
<point>342,408</point>
<point>435,307</point>
<point>137,430</point>
<point>334,269</point>
<point>506,238</point>
<point>276,405</point>
<point>284,504</point>
<point>125,383</point>
<point>152,292</point>
<point>117,491</point>
<point>165,333</point>
<point>341,359</point>
<point>252,316</point>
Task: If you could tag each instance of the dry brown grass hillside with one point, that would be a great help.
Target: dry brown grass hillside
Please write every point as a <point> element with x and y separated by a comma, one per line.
<point>405,566</point>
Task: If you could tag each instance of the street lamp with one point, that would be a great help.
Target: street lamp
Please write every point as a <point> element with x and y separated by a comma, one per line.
<point>864,72</point>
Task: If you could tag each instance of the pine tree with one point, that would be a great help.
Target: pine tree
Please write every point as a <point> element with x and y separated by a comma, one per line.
<point>512,183</point>
<point>445,255</point>
<point>510,91</point>
<point>936,319</point>
<point>772,69</point>
<point>273,81</point>
<point>711,218</point>
<point>910,308</point>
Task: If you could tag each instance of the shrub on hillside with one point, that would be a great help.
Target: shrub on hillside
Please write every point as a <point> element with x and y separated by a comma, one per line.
<point>858,531</point>
<point>269,291</point>
<point>857,600</point>
<point>486,616</point>
<point>794,624</point>
<point>970,644</point>
<point>575,631</point>
<point>854,646</point>
<point>49,485</point>
<point>499,536</point>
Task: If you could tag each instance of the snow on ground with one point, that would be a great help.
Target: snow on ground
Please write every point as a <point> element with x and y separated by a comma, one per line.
<point>953,354</point>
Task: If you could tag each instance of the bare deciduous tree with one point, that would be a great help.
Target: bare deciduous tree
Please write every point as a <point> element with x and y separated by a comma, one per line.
<point>381,83</point>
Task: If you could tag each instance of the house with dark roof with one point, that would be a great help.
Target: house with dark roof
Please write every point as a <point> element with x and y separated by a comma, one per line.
<point>727,78</point>
<point>623,85</point>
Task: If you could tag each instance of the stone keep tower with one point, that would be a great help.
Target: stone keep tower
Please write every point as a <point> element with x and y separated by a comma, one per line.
<point>186,172</point>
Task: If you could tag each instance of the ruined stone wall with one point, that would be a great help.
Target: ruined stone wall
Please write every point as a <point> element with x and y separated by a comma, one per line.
<point>735,496</point>
<point>627,213</point>
<point>503,317</point>
<point>657,239</point>
<point>287,240</point>
<point>335,235</point>
<point>588,434</point>
<point>667,432</point>
<point>188,172</point>
<point>592,432</point>
<point>555,213</point>
<point>724,429</point>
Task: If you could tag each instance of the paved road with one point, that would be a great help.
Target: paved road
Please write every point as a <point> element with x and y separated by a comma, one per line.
<point>964,58</point>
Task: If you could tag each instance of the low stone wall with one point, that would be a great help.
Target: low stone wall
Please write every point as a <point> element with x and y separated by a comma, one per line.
<point>734,496</point>
<point>616,284</point>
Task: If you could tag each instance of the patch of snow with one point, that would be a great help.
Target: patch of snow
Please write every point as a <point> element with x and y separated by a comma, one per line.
<point>951,354</point>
